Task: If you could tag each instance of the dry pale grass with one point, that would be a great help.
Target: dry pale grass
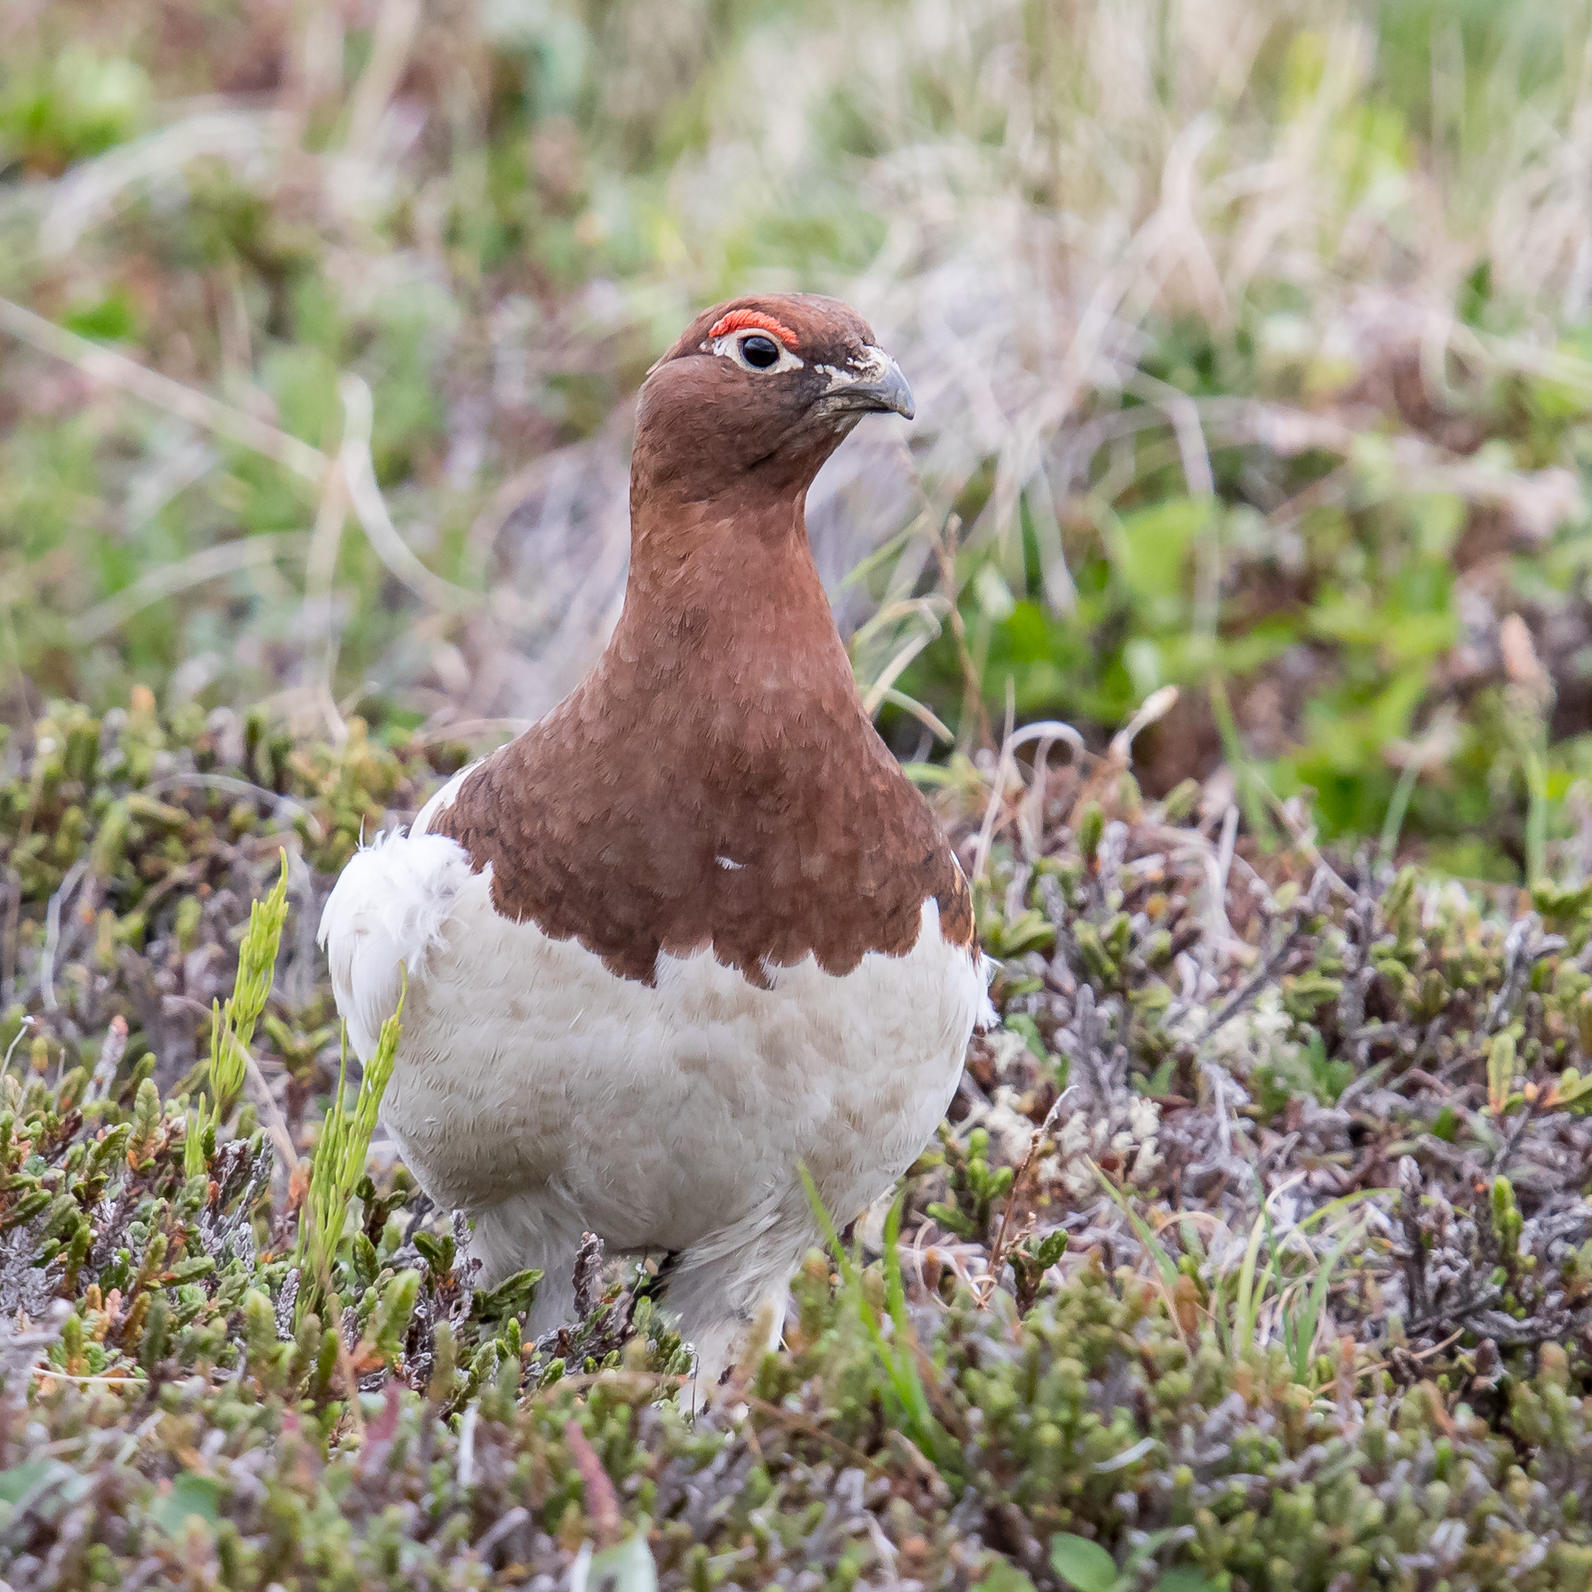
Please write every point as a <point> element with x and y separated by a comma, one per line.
<point>1022,197</point>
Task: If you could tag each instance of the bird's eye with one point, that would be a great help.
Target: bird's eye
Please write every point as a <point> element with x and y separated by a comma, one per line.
<point>761,353</point>
<point>755,348</point>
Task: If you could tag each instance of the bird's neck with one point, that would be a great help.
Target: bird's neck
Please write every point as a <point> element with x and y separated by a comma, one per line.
<point>724,602</point>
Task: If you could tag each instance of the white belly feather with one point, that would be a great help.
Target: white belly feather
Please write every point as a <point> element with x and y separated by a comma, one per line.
<point>657,1115</point>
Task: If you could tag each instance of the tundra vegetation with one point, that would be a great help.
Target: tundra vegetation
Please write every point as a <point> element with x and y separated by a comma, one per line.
<point>1229,599</point>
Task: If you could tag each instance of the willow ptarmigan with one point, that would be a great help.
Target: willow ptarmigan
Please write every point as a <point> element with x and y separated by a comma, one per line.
<point>694,929</point>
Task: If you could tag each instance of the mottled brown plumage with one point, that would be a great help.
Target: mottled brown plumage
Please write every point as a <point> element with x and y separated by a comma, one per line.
<point>716,780</point>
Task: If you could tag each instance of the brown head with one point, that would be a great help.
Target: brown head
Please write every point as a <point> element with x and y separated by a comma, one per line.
<point>756,394</point>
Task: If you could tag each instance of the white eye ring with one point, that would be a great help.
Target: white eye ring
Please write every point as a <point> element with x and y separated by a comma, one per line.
<point>730,346</point>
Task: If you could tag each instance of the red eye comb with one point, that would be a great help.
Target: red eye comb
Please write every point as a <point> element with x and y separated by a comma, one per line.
<point>752,320</point>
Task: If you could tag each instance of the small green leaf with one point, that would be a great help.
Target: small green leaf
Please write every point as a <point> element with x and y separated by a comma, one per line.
<point>1004,1576</point>
<point>1500,1072</point>
<point>20,1480</point>
<point>512,1297</point>
<point>1185,1580</point>
<point>628,1567</point>
<point>1082,1564</point>
<point>1022,1023</point>
<point>189,1496</point>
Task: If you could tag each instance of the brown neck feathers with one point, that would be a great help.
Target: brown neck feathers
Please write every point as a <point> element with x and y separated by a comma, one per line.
<point>715,781</point>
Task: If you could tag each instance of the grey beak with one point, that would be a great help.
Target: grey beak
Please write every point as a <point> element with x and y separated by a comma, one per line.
<point>874,382</point>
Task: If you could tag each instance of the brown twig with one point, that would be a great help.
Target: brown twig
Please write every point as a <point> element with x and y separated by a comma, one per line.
<point>602,1502</point>
<point>984,1288</point>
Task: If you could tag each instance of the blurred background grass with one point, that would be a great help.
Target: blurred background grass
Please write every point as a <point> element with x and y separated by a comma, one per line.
<point>1252,343</point>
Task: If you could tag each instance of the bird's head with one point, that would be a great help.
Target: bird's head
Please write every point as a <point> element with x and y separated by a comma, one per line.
<point>755,396</point>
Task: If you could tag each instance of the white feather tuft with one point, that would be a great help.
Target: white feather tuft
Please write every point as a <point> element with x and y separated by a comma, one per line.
<point>387,914</point>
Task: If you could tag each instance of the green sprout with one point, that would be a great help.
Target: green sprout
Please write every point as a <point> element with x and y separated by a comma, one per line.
<point>232,1025</point>
<point>339,1160</point>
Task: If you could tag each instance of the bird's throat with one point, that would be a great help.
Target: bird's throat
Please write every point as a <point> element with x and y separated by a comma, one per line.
<point>731,607</point>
